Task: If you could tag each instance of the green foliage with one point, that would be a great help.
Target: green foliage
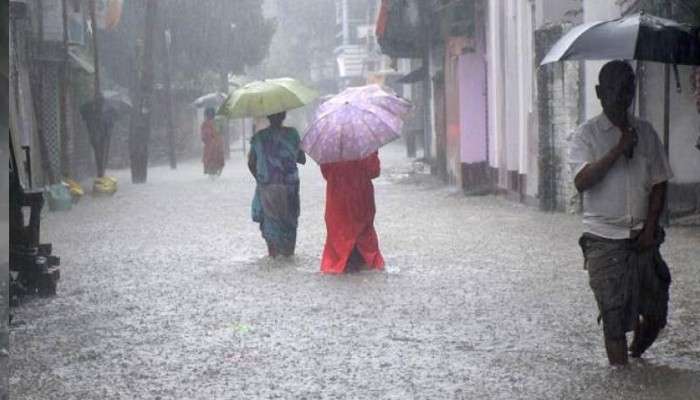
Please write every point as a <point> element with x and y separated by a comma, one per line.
<point>305,33</point>
<point>217,35</point>
<point>208,38</point>
<point>687,11</point>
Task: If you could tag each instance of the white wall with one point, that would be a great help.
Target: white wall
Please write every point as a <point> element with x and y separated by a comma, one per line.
<point>596,10</point>
<point>556,11</point>
<point>683,156</point>
<point>493,85</point>
<point>432,69</point>
<point>528,98</point>
<point>511,112</point>
<point>511,77</point>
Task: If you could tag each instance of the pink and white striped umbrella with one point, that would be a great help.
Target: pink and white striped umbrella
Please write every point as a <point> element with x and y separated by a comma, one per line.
<point>354,124</point>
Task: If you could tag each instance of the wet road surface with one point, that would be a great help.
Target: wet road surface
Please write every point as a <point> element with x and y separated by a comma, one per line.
<point>166,294</point>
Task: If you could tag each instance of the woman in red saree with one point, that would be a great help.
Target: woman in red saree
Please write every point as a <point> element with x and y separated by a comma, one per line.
<point>213,157</point>
<point>351,238</point>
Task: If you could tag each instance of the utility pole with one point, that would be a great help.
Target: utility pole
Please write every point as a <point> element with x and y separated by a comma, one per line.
<point>169,100</point>
<point>63,87</point>
<point>38,100</point>
<point>425,12</point>
<point>97,102</point>
<point>225,124</point>
<point>95,50</point>
<point>141,131</point>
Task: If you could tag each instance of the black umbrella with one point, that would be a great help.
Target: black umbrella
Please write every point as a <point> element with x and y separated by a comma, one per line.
<point>640,37</point>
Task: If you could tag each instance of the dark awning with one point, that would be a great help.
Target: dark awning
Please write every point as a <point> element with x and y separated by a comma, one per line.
<point>413,76</point>
<point>79,60</point>
<point>399,29</point>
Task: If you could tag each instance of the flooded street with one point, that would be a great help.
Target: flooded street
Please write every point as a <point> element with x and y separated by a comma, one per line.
<point>165,294</point>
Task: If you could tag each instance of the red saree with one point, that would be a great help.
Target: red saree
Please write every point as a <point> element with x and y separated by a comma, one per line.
<point>213,157</point>
<point>350,213</point>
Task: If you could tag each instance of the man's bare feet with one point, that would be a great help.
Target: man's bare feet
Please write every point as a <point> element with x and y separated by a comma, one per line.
<point>617,351</point>
<point>645,334</point>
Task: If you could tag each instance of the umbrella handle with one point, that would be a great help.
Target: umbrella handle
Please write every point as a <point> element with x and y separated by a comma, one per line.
<point>675,75</point>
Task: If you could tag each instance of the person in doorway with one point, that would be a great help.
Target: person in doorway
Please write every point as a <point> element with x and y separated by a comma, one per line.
<point>273,158</point>
<point>619,166</point>
<point>213,157</point>
<point>351,240</point>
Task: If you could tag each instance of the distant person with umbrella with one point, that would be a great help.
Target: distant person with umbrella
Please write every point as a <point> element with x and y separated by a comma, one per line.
<point>620,167</point>
<point>100,115</point>
<point>100,136</point>
<point>213,154</point>
<point>273,158</point>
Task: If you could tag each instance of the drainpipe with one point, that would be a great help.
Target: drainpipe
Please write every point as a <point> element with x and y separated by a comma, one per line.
<point>424,13</point>
<point>667,121</point>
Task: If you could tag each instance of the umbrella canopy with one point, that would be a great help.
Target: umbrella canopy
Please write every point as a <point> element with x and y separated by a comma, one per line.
<point>267,97</point>
<point>351,126</point>
<point>372,94</point>
<point>637,37</point>
<point>116,99</point>
<point>212,100</point>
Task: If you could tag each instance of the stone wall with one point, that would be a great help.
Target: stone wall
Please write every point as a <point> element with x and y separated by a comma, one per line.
<point>560,104</point>
<point>684,199</point>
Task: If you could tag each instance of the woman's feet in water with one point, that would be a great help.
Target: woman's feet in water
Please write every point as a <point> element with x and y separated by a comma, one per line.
<point>273,252</point>
<point>213,174</point>
<point>355,262</point>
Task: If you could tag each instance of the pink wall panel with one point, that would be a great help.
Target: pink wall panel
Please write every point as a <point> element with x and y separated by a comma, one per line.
<point>472,100</point>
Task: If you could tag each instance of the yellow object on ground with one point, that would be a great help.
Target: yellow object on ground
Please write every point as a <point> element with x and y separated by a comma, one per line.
<point>76,191</point>
<point>104,185</point>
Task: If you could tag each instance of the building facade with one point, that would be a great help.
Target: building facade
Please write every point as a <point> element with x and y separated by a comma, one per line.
<point>351,48</point>
<point>47,59</point>
<point>499,123</point>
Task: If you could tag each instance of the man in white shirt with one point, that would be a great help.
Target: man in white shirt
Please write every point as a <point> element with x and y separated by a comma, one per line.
<point>620,167</point>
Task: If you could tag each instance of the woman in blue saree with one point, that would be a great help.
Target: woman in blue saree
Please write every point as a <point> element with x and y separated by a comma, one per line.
<point>274,154</point>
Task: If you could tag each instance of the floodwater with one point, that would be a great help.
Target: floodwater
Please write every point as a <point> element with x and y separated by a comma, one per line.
<point>166,294</point>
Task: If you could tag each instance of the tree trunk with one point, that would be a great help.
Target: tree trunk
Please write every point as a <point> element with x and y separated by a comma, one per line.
<point>225,128</point>
<point>424,12</point>
<point>141,130</point>
<point>169,102</point>
<point>38,99</point>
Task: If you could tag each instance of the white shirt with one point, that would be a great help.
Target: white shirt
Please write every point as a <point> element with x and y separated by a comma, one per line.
<point>618,203</point>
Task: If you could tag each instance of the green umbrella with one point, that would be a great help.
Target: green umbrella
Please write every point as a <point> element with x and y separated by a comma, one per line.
<point>266,97</point>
